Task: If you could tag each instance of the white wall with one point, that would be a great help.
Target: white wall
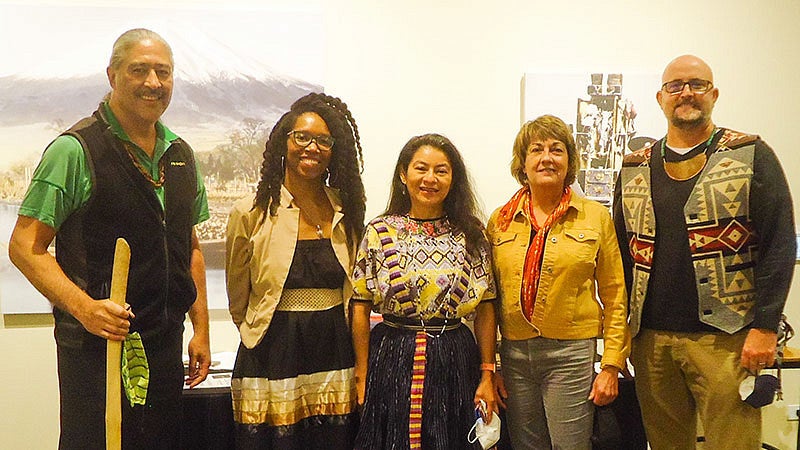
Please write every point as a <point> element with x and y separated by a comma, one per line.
<point>455,67</point>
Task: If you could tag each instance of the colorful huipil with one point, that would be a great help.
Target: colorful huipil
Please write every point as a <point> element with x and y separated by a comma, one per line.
<point>423,362</point>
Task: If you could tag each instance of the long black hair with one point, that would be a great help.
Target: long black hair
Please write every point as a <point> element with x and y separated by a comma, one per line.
<point>344,169</point>
<point>460,205</point>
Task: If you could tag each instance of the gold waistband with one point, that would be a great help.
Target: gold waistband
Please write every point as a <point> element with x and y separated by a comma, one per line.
<point>309,299</point>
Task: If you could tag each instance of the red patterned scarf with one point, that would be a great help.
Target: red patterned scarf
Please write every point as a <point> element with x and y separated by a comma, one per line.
<point>533,257</point>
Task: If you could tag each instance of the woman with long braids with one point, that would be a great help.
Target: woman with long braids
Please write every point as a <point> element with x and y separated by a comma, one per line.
<point>290,251</point>
<point>424,265</point>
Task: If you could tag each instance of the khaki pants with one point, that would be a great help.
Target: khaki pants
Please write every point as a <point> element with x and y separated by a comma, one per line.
<point>683,376</point>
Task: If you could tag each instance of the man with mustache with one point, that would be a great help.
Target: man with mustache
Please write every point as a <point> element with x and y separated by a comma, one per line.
<point>705,225</point>
<point>120,173</point>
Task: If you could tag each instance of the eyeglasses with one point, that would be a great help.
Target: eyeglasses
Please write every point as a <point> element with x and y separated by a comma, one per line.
<point>696,85</point>
<point>304,139</point>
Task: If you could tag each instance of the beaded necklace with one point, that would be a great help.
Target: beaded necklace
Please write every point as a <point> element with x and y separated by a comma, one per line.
<point>145,173</point>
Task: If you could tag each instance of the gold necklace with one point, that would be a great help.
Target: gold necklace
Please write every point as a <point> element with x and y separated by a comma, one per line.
<point>689,168</point>
<point>314,223</point>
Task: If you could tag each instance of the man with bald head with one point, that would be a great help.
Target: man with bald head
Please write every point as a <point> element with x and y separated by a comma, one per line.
<point>705,225</point>
<point>120,173</point>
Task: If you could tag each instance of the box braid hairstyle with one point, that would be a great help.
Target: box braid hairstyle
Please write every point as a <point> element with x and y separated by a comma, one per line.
<point>344,169</point>
<point>460,205</point>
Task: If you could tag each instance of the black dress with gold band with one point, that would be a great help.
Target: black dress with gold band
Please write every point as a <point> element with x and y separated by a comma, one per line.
<point>295,389</point>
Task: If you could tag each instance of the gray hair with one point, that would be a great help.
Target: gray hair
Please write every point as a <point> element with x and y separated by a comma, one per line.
<point>128,40</point>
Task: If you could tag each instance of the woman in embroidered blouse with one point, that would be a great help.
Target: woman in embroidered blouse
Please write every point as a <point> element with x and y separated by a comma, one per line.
<point>424,265</point>
<point>554,254</point>
<point>290,251</point>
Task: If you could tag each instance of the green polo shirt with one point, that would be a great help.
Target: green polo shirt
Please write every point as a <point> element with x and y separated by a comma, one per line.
<point>62,183</point>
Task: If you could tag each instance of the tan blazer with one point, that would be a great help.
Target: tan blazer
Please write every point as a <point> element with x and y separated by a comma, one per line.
<point>259,253</point>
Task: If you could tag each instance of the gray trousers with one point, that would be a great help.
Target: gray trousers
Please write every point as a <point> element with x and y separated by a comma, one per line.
<point>548,382</point>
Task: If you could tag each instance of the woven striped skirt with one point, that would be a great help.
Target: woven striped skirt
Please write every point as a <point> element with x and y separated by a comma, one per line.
<point>420,389</point>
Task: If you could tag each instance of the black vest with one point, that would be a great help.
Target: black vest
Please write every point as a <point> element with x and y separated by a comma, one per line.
<point>124,204</point>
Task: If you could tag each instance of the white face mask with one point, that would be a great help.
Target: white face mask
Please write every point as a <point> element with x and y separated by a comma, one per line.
<point>486,434</point>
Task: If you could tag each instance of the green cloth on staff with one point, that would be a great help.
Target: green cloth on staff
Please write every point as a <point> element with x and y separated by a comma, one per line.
<point>135,370</point>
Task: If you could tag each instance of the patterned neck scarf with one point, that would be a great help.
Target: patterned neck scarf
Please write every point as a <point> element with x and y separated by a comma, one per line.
<point>533,257</point>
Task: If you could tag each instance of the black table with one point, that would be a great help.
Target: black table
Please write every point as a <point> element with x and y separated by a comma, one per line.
<point>207,418</point>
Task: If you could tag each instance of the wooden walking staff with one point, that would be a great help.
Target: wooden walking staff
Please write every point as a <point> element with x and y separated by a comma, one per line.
<point>119,287</point>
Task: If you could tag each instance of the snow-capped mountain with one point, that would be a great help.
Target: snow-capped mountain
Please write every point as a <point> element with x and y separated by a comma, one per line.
<point>212,85</point>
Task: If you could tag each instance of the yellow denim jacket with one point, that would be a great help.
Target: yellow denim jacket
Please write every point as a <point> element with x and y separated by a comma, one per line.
<point>581,263</point>
<point>259,254</point>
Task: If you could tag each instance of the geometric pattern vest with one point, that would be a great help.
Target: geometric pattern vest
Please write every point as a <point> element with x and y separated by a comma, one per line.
<point>123,204</point>
<point>722,239</point>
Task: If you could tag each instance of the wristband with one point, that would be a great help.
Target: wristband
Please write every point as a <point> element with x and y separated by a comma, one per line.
<point>488,366</point>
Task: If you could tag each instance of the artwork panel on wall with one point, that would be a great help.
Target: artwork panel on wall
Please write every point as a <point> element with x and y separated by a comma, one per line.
<point>236,73</point>
<point>610,114</point>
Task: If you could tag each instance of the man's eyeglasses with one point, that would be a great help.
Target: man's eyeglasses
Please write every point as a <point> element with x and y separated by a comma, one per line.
<point>304,139</point>
<point>696,85</point>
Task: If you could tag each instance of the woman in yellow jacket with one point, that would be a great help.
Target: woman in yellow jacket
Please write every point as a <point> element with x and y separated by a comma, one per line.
<point>555,255</point>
